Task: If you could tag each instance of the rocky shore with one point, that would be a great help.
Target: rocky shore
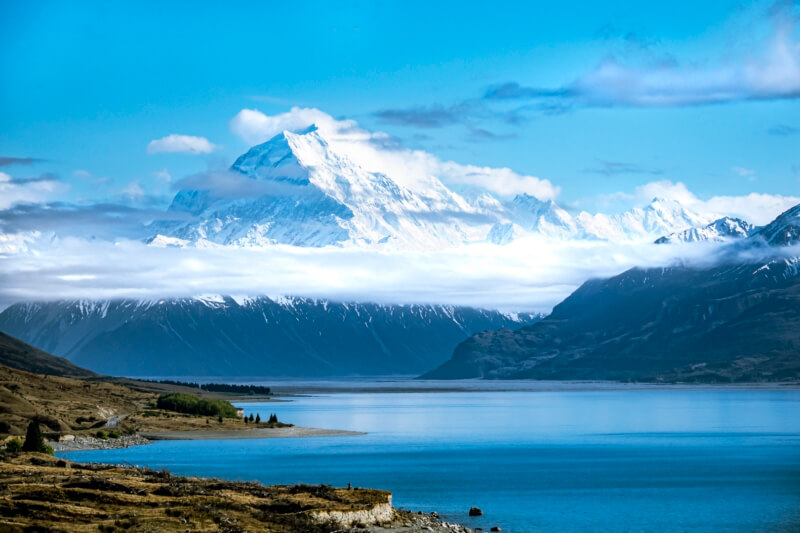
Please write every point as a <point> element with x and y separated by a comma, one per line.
<point>408,522</point>
<point>82,442</point>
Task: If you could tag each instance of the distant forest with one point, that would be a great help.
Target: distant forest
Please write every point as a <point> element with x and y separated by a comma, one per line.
<point>216,387</point>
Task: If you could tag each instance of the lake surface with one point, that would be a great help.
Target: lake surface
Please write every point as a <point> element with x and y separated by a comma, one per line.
<point>611,460</point>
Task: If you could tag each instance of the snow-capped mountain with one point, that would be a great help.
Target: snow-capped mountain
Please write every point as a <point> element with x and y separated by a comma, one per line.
<point>307,190</point>
<point>723,229</point>
<point>783,231</point>
<point>734,320</point>
<point>528,215</point>
<point>314,194</point>
<point>660,216</point>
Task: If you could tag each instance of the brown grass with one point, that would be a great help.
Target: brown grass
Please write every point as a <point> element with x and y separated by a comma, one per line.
<point>53,494</point>
<point>80,406</point>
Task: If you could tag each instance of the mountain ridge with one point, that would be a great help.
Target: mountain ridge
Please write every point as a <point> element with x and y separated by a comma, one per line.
<point>305,190</point>
<point>738,320</point>
<point>217,335</point>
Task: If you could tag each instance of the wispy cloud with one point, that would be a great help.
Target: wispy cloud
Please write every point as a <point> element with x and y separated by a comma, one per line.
<point>35,189</point>
<point>8,161</point>
<point>228,184</point>
<point>744,172</point>
<point>163,175</point>
<point>102,220</point>
<point>771,73</point>
<point>756,208</point>
<point>181,143</point>
<point>481,134</point>
<point>614,168</point>
<point>782,130</point>
<point>425,117</point>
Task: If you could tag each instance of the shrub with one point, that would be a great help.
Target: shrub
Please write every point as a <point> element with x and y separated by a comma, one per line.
<point>14,445</point>
<point>33,438</point>
<point>101,435</point>
<point>114,434</point>
<point>192,405</point>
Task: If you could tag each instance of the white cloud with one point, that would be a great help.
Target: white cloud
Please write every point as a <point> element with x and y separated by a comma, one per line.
<point>163,175</point>
<point>377,152</point>
<point>133,190</point>
<point>756,208</point>
<point>255,127</point>
<point>37,190</point>
<point>181,143</point>
<point>744,172</point>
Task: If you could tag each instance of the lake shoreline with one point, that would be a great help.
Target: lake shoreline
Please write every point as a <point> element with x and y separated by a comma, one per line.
<point>86,443</point>
<point>287,389</point>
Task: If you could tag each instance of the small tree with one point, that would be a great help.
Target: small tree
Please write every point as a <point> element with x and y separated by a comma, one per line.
<point>273,418</point>
<point>246,420</point>
<point>251,417</point>
<point>258,418</point>
<point>33,438</point>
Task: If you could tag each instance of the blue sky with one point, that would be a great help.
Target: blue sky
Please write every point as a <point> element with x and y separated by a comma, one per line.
<point>107,107</point>
<point>87,86</point>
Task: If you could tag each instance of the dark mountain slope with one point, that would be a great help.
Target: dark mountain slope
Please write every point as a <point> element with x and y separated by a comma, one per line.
<point>18,354</point>
<point>738,321</point>
<point>218,336</point>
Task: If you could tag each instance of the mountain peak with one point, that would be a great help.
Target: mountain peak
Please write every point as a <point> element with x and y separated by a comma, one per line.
<point>720,230</point>
<point>784,230</point>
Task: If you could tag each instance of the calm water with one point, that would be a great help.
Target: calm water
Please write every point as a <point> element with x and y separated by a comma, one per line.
<point>635,460</point>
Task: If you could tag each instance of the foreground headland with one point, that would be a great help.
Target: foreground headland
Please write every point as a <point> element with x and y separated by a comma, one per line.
<point>45,493</point>
<point>80,410</point>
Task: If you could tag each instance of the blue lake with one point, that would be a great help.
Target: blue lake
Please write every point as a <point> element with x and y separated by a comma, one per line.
<point>611,460</point>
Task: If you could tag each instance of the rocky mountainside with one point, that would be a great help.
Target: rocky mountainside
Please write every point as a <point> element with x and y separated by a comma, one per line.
<point>721,230</point>
<point>783,231</point>
<point>736,321</point>
<point>304,189</point>
<point>222,336</point>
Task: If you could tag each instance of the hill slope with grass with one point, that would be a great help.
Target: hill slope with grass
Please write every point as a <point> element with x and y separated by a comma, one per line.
<point>21,355</point>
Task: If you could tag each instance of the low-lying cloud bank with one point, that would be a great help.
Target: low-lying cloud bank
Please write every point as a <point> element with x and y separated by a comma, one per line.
<point>531,275</point>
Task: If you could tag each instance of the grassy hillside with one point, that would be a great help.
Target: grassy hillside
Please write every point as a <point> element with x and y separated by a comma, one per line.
<point>42,493</point>
<point>62,404</point>
<point>23,356</point>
